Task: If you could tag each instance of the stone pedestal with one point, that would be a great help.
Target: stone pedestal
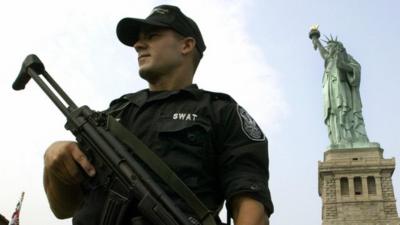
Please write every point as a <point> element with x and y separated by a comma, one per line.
<point>356,187</point>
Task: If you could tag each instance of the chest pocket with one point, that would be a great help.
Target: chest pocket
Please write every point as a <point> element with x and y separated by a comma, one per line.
<point>185,147</point>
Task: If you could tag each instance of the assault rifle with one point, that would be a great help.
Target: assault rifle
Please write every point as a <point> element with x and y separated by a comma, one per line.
<point>113,151</point>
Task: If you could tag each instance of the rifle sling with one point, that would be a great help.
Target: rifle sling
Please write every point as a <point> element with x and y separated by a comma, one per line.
<point>161,169</point>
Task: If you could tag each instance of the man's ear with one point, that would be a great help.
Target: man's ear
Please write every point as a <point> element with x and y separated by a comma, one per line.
<point>189,45</point>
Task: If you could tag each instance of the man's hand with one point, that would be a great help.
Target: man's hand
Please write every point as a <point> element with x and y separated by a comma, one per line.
<point>62,177</point>
<point>247,211</point>
<point>63,159</point>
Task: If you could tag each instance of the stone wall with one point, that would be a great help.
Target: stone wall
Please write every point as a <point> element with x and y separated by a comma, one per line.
<point>368,198</point>
<point>330,210</point>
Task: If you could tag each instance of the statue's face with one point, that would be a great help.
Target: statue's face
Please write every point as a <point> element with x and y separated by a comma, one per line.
<point>334,47</point>
<point>331,48</point>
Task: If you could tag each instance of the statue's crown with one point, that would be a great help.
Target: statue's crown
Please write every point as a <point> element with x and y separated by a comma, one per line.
<point>331,40</point>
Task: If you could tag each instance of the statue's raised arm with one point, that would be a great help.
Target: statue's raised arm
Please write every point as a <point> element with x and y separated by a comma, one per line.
<point>314,36</point>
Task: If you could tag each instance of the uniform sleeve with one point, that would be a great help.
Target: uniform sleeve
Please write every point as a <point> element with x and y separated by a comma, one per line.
<point>243,157</point>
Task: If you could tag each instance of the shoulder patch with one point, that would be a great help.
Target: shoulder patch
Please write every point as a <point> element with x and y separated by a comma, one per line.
<point>249,125</point>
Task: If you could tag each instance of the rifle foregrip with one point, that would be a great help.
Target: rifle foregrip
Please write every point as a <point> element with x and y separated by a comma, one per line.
<point>33,62</point>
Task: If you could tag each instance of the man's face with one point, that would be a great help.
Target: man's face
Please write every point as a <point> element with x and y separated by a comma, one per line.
<point>158,52</point>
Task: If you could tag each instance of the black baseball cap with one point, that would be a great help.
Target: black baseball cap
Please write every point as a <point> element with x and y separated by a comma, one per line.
<point>167,16</point>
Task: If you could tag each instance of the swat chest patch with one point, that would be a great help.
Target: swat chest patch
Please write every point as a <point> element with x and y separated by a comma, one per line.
<point>249,125</point>
<point>184,116</point>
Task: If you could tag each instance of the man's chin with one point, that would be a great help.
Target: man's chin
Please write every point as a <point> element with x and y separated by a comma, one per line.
<point>147,75</point>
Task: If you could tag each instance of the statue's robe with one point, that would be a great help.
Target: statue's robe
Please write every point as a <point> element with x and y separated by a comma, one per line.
<point>342,102</point>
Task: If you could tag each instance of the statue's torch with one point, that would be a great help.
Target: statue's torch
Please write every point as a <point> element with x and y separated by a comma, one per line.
<point>314,34</point>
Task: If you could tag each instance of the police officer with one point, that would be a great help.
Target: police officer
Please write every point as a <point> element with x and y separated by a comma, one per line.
<point>209,140</point>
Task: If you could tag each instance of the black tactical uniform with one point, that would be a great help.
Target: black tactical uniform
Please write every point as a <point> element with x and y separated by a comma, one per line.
<point>211,143</point>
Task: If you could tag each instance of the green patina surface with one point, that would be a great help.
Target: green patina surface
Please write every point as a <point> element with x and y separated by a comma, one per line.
<point>342,102</point>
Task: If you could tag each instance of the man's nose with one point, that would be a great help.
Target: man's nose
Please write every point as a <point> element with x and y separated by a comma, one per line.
<point>139,44</point>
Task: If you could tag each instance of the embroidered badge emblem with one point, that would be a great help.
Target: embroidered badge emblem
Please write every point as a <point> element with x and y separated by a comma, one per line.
<point>249,125</point>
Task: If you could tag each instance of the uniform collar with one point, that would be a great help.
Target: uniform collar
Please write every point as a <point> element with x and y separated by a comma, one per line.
<point>192,90</point>
<point>144,96</point>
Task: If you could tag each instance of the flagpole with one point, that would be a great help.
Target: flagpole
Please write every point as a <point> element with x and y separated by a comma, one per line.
<point>15,217</point>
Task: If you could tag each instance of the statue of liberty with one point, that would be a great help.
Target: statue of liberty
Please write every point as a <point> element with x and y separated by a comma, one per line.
<point>342,102</point>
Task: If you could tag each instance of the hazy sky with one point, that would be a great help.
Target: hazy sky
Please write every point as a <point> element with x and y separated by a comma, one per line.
<point>257,51</point>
